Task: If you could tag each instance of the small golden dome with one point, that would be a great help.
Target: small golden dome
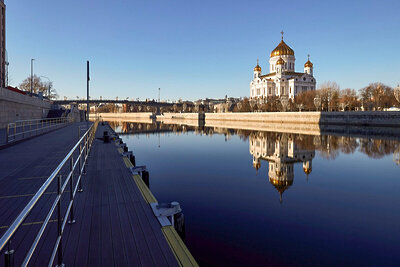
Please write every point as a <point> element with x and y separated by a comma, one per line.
<point>280,61</point>
<point>308,64</point>
<point>256,165</point>
<point>282,49</point>
<point>307,170</point>
<point>257,68</point>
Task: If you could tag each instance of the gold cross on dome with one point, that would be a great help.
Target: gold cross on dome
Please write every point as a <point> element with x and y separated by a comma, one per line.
<point>257,61</point>
<point>308,57</point>
<point>282,34</point>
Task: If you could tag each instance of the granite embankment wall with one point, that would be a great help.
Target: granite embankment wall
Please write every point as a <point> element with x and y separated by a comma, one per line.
<point>376,118</point>
<point>15,106</point>
<point>382,118</point>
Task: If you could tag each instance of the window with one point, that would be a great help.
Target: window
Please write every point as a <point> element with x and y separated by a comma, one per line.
<point>270,91</point>
<point>295,89</point>
<point>304,88</point>
<point>282,90</point>
<point>258,91</point>
<point>304,78</point>
<point>255,75</point>
<point>290,89</point>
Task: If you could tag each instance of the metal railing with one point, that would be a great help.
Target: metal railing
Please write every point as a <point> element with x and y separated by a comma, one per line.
<point>26,128</point>
<point>81,152</point>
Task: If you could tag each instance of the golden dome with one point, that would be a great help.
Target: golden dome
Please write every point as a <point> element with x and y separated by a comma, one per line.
<point>280,61</point>
<point>308,64</point>
<point>257,68</point>
<point>256,165</point>
<point>307,170</point>
<point>282,49</point>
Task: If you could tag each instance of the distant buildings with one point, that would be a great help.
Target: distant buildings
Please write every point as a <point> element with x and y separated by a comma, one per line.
<point>282,79</point>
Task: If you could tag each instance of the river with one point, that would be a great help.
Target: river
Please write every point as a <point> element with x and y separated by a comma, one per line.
<point>270,198</point>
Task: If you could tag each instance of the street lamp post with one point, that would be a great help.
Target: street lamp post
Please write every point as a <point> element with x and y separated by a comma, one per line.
<point>32,59</point>
<point>159,89</point>
<point>317,102</point>
<point>397,93</point>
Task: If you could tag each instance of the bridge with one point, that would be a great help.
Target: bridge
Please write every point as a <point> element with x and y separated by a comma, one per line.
<point>110,101</point>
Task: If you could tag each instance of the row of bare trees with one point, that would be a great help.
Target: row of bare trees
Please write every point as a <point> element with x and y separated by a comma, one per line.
<point>375,96</point>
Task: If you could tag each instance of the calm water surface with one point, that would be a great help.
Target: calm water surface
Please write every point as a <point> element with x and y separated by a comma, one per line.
<point>255,198</point>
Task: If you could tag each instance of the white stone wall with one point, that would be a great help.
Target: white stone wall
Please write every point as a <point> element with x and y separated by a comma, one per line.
<point>15,106</point>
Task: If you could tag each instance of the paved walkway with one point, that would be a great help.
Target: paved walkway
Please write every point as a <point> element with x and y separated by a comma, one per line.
<point>23,169</point>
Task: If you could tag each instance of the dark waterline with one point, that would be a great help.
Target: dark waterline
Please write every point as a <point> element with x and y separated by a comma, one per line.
<point>252,198</point>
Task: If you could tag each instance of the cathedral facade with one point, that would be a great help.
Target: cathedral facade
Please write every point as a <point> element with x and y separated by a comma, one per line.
<point>282,79</point>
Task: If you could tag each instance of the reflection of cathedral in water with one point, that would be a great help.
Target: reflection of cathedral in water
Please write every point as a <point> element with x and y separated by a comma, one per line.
<point>281,153</point>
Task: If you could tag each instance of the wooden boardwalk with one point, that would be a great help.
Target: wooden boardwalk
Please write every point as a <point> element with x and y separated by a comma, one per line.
<point>115,225</point>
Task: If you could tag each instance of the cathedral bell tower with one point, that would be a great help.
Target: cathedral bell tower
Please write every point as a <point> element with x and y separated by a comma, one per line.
<point>308,67</point>
<point>257,71</point>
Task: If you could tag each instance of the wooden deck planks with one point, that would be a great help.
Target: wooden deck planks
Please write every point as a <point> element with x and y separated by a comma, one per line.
<point>114,225</point>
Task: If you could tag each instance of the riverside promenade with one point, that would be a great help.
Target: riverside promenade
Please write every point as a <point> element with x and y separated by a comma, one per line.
<point>114,224</point>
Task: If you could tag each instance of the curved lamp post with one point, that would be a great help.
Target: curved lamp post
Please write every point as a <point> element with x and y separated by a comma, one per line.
<point>397,93</point>
<point>284,102</point>
<point>48,93</point>
<point>252,104</point>
<point>317,102</point>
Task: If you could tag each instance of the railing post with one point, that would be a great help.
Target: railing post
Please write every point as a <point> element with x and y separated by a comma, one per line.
<point>9,256</point>
<point>8,132</point>
<point>59,224</point>
<point>80,168</point>
<point>71,191</point>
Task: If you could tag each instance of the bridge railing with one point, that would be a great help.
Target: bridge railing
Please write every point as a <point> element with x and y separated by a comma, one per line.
<point>22,129</point>
<point>63,177</point>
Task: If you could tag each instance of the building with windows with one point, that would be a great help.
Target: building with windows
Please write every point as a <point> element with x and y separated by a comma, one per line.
<point>2,44</point>
<point>282,79</point>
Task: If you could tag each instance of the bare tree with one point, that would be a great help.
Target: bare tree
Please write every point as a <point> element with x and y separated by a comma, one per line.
<point>39,86</point>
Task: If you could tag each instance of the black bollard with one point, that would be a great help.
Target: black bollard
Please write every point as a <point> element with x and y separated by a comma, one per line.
<point>125,148</point>
<point>146,178</point>
<point>179,224</point>
<point>106,137</point>
<point>132,159</point>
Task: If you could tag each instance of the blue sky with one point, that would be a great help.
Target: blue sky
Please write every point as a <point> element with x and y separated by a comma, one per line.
<point>197,49</point>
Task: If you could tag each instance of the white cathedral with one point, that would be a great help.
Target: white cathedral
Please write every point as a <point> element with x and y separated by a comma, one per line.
<point>282,79</point>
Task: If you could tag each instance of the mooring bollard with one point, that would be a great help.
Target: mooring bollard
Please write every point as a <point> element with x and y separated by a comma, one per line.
<point>106,137</point>
<point>132,159</point>
<point>179,224</point>
<point>125,148</point>
<point>9,256</point>
<point>146,178</point>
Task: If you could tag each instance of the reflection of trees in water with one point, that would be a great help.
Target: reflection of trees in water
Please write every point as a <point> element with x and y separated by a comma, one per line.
<point>377,148</point>
<point>328,146</point>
